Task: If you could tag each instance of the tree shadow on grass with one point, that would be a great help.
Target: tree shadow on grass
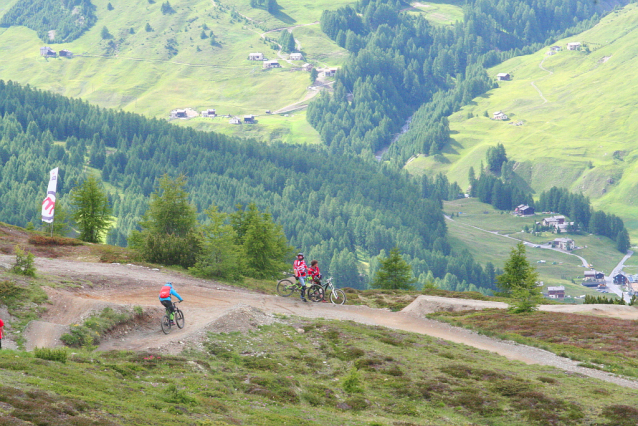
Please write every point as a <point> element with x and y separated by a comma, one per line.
<point>284,17</point>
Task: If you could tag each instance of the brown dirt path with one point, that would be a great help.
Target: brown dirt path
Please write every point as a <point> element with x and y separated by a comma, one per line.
<point>206,302</point>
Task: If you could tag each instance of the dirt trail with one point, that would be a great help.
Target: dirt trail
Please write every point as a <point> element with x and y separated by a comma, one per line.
<point>208,303</point>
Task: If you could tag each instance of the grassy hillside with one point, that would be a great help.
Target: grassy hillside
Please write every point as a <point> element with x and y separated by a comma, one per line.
<point>261,377</point>
<point>153,72</point>
<point>578,134</point>
<point>557,268</point>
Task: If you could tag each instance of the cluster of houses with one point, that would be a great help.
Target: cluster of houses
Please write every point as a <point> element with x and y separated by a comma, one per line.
<point>594,278</point>
<point>248,119</point>
<point>500,115</point>
<point>47,52</point>
<point>631,281</point>
<point>557,223</point>
<point>211,113</point>
<point>295,56</point>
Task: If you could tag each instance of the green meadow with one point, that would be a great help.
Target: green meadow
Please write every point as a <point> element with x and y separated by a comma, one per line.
<point>554,268</point>
<point>578,134</point>
<point>438,12</point>
<point>172,66</point>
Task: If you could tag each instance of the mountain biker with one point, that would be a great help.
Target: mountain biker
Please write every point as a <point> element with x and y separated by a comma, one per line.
<point>1,328</point>
<point>316,276</point>
<point>299,268</point>
<point>165,298</point>
<point>314,271</point>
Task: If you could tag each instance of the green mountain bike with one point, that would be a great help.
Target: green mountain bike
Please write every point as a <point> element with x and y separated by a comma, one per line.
<point>178,317</point>
<point>287,287</point>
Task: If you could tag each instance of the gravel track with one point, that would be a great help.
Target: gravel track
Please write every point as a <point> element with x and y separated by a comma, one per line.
<point>208,305</point>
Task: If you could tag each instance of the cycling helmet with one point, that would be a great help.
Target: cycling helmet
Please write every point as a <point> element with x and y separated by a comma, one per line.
<point>300,254</point>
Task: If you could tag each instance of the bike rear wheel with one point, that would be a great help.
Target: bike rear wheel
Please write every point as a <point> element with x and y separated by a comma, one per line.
<point>179,318</point>
<point>286,287</point>
<point>315,293</point>
<point>166,324</point>
<point>338,297</point>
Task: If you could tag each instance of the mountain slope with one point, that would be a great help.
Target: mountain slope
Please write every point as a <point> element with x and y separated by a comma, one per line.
<point>578,119</point>
<point>172,66</point>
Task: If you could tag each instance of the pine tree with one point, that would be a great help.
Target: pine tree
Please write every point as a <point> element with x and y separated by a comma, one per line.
<point>395,273</point>
<point>109,6</point>
<point>519,281</point>
<point>91,210</point>
<point>622,241</point>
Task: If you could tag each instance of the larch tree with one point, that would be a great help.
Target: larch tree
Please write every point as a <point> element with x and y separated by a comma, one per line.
<point>91,210</point>
<point>519,281</point>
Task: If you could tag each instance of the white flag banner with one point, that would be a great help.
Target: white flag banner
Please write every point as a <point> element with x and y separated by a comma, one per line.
<point>48,205</point>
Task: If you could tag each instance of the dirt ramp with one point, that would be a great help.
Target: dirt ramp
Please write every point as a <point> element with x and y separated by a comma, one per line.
<point>43,334</point>
<point>241,318</point>
<point>424,305</point>
<point>614,311</point>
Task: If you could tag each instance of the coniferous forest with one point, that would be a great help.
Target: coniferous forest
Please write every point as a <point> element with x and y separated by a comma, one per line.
<point>401,66</point>
<point>55,21</point>
<point>330,206</point>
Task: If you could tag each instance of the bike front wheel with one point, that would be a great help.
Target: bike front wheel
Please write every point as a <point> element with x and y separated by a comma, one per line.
<point>338,297</point>
<point>166,324</point>
<point>315,293</point>
<point>285,288</point>
<point>179,318</point>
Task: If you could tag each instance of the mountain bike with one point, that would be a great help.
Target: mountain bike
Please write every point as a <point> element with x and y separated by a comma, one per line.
<point>337,296</point>
<point>287,287</point>
<point>178,317</point>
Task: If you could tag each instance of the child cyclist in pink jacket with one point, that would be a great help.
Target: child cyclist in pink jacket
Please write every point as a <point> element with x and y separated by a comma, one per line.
<point>299,268</point>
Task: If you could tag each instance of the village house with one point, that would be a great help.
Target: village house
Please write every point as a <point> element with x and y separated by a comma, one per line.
<point>66,53</point>
<point>330,72</point>
<point>503,76</point>
<point>554,220</point>
<point>271,64</point>
<point>249,118</point>
<point>209,113</point>
<point>179,113</point>
<point>555,48</point>
<point>557,292</point>
<point>256,56</point>
<point>296,56</point>
<point>558,223</point>
<point>620,279</point>
<point>47,52</point>
<point>593,279</point>
<point>575,45</point>
<point>563,244</point>
<point>499,115</point>
<point>633,289</point>
<point>307,67</point>
<point>234,120</point>
<point>550,52</point>
<point>524,210</point>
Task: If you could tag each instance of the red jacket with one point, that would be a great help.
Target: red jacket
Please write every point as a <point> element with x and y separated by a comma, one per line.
<point>315,273</point>
<point>1,325</point>
<point>299,267</point>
